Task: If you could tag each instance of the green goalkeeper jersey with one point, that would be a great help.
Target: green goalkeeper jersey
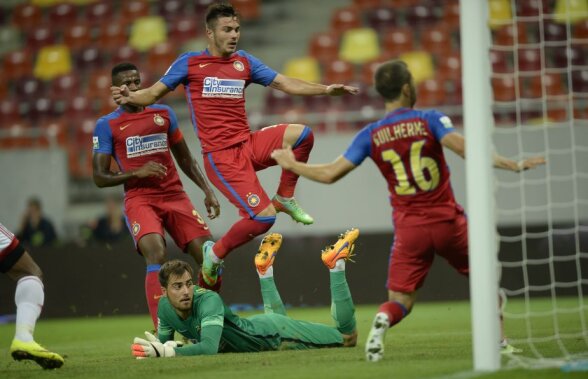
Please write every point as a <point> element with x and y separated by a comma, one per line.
<point>214,328</point>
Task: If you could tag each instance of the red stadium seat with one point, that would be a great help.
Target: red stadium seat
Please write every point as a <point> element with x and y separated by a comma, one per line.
<point>421,15</point>
<point>532,8</point>
<point>562,56</point>
<point>160,57</point>
<point>248,9</point>
<point>182,28</point>
<point>99,84</point>
<point>553,32</point>
<point>77,108</point>
<point>511,35</point>
<point>502,61</point>
<point>18,64</point>
<point>40,110</point>
<point>431,93</point>
<point>9,112</point>
<point>133,9</point>
<point>315,104</point>
<point>63,14</point>
<point>382,18</point>
<point>42,35</point>
<point>26,16</point>
<point>368,70</point>
<point>28,88</point>
<point>100,13</point>
<point>89,58</point>
<point>201,5</point>
<point>581,30</point>
<point>125,54</point>
<point>398,41</point>
<point>449,66</point>
<point>65,86</point>
<point>19,136</point>
<point>170,9</point>
<point>343,19</point>
<point>554,84</point>
<point>504,117</point>
<point>580,81</point>
<point>278,102</point>
<point>529,59</point>
<point>339,71</point>
<point>54,132</point>
<point>77,35</point>
<point>111,35</point>
<point>504,88</point>
<point>451,14</point>
<point>367,4</point>
<point>437,40</point>
<point>324,46</point>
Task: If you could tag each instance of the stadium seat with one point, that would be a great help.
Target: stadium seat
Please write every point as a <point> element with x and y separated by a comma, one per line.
<point>553,32</point>
<point>170,9</point>
<point>54,133</point>
<point>398,40</point>
<point>99,13</point>
<point>40,36</point>
<point>10,39</point>
<point>248,9</point>
<point>450,16</point>
<point>573,11</point>
<point>182,28</point>
<point>77,35</point>
<point>503,88</point>
<point>160,57</point>
<point>420,64</point>
<point>315,104</point>
<point>437,40</point>
<point>134,9</point>
<point>28,88</point>
<point>581,30</point>
<point>9,112</point>
<point>52,61</point>
<point>324,46</point>
<point>529,59</point>
<point>504,117</point>
<point>554,84</point>
<point>562,56</point>
<point>382,19</point>
<point>502,61</point>
<point>532,8</point>
<point>26,16</point>
<point>40,110</point>
<point>63,14</point>
<point>147,32</point>
<point>421,16</point>
<point>305,68</point>
<point>449,66</point>
<point>367,4</point>
<point>201,5</point>
<point>531,87</point>
<point>343,19</point>
<point>580,81</point>
<point>368,70</point>
<point>339,71</point>
<point>278,102</point>
<point>19,136</point>
<point>359,45</point>
<point>18,64</point>
<point>431,93</point>
<point>112,35</point>
<point>77,108</point>
<point>510,35</point>
<point>89,58</point>
<point>99,83</point>
<point>500,13</point>
<point>44,3</point>
<point>125,53</point>
<point>65,86</point>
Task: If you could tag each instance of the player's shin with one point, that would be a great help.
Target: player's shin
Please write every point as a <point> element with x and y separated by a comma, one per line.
<point>342,308</point>
<point>153,291</point>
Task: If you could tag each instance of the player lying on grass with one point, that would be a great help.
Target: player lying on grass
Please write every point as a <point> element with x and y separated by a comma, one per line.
<point>201,316</point>
<point>29,297</point>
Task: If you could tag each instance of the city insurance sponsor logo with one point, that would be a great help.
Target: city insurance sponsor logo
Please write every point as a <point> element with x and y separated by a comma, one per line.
<point>145,145</point>
<point>226,88</point>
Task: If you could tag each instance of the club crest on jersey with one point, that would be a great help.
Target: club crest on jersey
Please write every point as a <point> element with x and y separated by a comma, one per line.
<point>238,66</point>
<point>252,200</point>
<point>135,228</point>
<point>225,88</point>
<point>158,120</point>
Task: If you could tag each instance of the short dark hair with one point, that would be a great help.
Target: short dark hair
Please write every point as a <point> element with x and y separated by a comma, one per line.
<point>122,67</point>
<point>218,10</point>
<point>174,267</point>
<point>390,77</point>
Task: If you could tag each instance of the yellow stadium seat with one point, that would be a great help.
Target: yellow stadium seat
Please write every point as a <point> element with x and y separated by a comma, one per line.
<point>500,13</point>
<point>359,45</point>
<point>571,11</point>
<point>45,3</point>
<point>420,64</point>
<point>52,61</point>
<point>147,32</point>
<point>305,68</point>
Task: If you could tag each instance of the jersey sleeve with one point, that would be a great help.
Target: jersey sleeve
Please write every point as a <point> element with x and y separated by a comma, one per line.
<point>260,72</point>
<point>102,138</point>
<point>177,73</point>
<point>440,124</point>
<point>360,147</point>
<point>174,133</point>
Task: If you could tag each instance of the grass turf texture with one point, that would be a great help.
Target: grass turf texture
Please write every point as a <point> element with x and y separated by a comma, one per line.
<point>433,342</point>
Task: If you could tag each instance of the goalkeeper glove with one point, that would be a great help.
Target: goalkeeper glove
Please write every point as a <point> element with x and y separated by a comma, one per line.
<point>152,348</point>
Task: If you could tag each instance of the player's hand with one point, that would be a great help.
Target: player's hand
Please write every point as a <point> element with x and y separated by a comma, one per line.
<point>284,157</point>
<point>529,163</point>
<point>152,348</point>
<point>341,89</point>
<point>151,168</point>
<point>121,94</point>
<point>212,205</point>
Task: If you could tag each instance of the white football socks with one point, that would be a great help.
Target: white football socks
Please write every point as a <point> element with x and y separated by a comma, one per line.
<point>214,257</point>
<point>339,266</point>
<point>269,273</point>
<point>29,298</point>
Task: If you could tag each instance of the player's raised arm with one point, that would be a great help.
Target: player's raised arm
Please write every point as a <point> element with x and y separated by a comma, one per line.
<point>191,168</point>
<point>456,143</point>
<point>143,97</point>
<point>295,86</point>
<point>322,173</point>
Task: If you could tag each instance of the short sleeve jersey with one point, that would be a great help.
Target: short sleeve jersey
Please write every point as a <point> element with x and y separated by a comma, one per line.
<point>406,147</point>
<point>133,139</point>
<point>215,91</point>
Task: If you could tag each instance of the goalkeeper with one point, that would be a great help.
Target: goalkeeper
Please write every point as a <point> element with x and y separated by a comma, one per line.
<point>201,316</point>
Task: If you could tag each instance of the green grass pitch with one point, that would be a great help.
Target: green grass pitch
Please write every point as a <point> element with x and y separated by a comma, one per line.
<point>433,342</point>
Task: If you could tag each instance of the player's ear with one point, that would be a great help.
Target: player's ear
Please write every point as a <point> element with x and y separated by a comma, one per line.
<point>163,291</point>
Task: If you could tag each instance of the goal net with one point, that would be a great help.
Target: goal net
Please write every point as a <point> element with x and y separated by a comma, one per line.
<point>539,77</point>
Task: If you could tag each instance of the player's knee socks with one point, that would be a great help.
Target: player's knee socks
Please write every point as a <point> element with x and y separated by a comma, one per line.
<point>153,291</point>
<point>395,312</point>
<point>272,302</point>
<point>301,150</point>
<point>241,232</point>
<point>342,308</point>
<point>29,298</point>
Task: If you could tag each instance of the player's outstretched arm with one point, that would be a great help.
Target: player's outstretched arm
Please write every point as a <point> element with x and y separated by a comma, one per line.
<point>295,86</point>
<point>456,143</point>
<point>104,177</point>
<point>191,168</point>
<point>323,173</point>
<point>143,97</point>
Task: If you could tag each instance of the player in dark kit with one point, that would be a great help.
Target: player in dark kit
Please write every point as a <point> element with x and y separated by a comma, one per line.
<point>140,140</point>
<point>407,146</point>
<point>201,316</point>
<point>215,80</point>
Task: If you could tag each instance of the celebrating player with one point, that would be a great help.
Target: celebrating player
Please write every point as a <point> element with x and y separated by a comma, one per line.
<point>407,145</point>
<point>140,139</point>
<point>215,80</point>
<point>29,296</point>
<point>200,315</point>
